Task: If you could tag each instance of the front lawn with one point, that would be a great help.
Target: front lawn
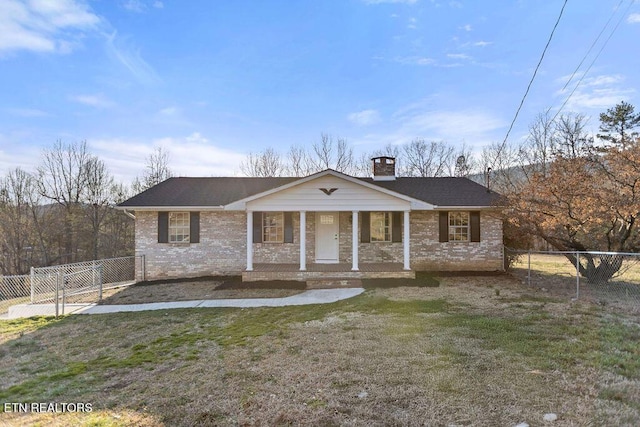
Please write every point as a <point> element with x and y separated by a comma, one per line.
<point>473,351</point>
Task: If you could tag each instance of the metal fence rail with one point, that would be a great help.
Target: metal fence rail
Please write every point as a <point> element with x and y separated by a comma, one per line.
<point>69,283</point>
<point>606,277</point>
<point>14,290</point>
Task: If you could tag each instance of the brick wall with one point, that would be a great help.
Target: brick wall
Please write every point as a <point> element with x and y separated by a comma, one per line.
<point>222,247</point>
<point>427,253</point>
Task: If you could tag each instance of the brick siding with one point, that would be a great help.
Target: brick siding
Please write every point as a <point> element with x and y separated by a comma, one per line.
<point>222,247</point>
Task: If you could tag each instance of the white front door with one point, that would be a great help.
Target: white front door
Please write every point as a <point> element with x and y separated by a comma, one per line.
<point>327,228</point>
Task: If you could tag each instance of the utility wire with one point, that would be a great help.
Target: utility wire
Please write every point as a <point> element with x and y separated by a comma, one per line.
<point>594,59</point>
<point>535,72</point>
<point>593,44</point>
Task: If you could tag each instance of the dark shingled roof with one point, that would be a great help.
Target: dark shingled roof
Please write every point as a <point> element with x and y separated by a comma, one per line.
<point>447,191</point>
<point>218,191</point>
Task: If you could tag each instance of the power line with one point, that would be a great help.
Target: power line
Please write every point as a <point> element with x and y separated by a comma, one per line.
<point>535,72</point>
<point>594,59</point>
<point>593,44</point>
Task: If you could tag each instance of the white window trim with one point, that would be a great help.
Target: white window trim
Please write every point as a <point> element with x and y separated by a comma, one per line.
<point>389,228</point>
<point>265,226</point>
<point>453,228</point>
<point>181,229</point>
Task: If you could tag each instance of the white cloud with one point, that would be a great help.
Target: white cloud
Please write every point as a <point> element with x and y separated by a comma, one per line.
<point>389,1</point>
<point>415,60</point>
<point>44,25</point>
<point>634,18</point>
<point>596,92</point>
<point>467,28</point>
<point>97,101</point>
<point>364,117</point>
<point>169,111</point>
<point>481,43</point>
<point>135,6</point>
<point>191,155</point>
<point>449,125</point>
<point>458,56</point>
<point>119,49</point>
<point>27,112</point>
<point>475,126</point>
<point>140,6</point>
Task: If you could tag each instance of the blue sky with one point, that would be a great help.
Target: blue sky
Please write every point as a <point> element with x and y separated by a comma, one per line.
<point>210,81</point>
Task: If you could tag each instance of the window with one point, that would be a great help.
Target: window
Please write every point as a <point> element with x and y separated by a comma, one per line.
<point>273,227</point>
<point>179,227</point>
<point>380,226</point>
<point>458,226</point>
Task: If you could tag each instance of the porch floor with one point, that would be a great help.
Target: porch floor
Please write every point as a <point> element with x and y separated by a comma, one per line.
<point>326,271</point>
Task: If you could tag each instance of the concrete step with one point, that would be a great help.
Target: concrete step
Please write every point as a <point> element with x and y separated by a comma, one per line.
<point>333,283</point>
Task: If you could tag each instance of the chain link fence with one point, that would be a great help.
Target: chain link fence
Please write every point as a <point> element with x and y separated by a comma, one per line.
<point>602,277</point>
<point>78,283</point>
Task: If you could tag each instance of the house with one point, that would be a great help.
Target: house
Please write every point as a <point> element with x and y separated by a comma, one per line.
<point>328,224</point>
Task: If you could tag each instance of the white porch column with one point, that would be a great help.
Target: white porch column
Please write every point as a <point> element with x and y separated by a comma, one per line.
<point>303,240</point>
<point>407,240</point>
<point>354,241</point>
<point>249,240</point>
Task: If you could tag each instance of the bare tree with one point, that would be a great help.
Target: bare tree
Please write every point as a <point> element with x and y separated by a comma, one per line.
<point>16,223</point>
<point>332,154</point>
<point>62,179</point>
<point>97,200</point>
<point>427,159</point>
<point>156,170</point>
<point>298,162</point>
<point>571,138</point>
<point>265,164</point>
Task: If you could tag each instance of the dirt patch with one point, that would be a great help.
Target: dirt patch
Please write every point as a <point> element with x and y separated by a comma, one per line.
<point>223,288</point>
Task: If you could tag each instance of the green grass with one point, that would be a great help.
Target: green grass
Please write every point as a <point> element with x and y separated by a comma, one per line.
<point>433,350</point>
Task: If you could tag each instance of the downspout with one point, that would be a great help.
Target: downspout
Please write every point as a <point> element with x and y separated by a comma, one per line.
<point>129,214</point>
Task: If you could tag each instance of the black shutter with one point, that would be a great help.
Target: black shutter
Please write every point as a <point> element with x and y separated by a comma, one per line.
<point>194,227</point>
<point>396,226</point>
<point>444,226</point>
<point>288,227</point>
<point>163,227</point>
<point>365,227</point>
<point>257,227</point>
<point>474,222</point>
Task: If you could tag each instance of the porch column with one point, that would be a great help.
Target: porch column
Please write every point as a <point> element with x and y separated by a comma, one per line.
<point>354,241</point>
<point>249,240</point>
<point>407,240</point>
<point>303,240</point>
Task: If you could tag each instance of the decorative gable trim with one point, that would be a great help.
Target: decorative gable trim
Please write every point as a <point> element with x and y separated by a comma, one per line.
<point>414,203</point>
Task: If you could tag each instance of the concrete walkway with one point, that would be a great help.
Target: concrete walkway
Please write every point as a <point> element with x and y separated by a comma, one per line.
<point>314,296</point>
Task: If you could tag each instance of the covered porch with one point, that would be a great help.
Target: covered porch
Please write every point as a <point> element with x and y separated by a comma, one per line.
<point>314,271</point>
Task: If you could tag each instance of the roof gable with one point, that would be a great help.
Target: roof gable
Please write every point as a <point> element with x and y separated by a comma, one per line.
<point>329,177</point>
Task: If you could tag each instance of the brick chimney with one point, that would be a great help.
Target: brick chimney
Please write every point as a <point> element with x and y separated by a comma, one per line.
<point>384,168</point>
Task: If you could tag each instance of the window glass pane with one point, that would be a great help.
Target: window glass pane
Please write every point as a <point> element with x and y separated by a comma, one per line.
<point>179,230</point>
<point>273,227</point>
<point>380,226</point>
<point>458,226</point>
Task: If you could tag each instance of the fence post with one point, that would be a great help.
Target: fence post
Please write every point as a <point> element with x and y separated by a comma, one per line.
<point>57,291</point>
<point>64,300</point>
<point>529,267</point>
<point>33,292</point>
<point>577,275</point>
<point>100,267</point>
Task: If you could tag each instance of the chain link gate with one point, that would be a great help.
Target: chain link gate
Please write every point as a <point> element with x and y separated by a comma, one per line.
<point>81,282</point>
